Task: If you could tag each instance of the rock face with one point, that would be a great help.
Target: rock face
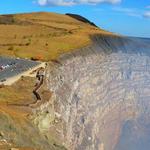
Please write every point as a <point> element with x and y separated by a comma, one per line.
<point>102,94</point>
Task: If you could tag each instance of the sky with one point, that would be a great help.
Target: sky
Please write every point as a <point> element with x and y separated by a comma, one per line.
<point>127,17</point>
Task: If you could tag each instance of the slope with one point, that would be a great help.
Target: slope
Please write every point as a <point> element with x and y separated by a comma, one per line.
<point>43,35</point>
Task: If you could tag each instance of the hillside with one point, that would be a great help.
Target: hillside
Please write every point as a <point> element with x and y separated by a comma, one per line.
<point>43,35</point>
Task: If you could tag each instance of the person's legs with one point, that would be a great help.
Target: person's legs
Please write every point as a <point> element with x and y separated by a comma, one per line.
<point>37,95</point>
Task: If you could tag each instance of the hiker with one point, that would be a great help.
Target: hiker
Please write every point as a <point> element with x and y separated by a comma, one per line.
<point>40,73</point>
<point>40,80</point>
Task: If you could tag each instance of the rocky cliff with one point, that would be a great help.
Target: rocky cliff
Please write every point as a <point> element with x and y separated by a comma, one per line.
<point>101,94</point>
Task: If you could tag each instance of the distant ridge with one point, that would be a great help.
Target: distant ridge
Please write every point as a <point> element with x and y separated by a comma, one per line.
<point>81,18</point>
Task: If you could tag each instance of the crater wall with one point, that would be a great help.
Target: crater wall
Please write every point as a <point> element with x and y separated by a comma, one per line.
<point>102,94</point>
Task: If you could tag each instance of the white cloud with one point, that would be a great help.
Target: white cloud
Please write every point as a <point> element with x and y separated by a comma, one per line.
<point>128,11</point>
<point>147,14</point>
<point>55,2</point>
<point>74,2</point>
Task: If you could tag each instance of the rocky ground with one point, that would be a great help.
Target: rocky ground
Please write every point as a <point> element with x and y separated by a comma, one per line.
<point>23,120</point>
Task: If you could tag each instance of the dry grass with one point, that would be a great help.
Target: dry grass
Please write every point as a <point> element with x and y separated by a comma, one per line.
<point>20,91</point>
<point>43,35</point>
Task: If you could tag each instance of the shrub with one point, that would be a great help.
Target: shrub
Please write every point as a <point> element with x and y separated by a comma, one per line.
<point>28,43</point>
<point>17,49</point>
<point>37,58</point>
<point>24,37</point>
<point>11,48</point>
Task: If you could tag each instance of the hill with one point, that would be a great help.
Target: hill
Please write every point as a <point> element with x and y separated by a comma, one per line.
<point>44,35</point>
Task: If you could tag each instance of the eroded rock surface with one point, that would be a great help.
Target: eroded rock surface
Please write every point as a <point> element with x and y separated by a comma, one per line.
<point>102,94</point>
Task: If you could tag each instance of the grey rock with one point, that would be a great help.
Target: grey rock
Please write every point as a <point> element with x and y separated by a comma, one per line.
<point>102,93</point>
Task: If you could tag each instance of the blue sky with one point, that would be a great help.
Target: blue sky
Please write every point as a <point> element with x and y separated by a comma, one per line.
<point>128,17</point>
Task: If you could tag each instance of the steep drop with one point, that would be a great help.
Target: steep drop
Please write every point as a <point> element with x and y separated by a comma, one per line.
<point>102,94</point>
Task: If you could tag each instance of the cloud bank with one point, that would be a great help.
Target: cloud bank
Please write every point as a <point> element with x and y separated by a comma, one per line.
<point>134,12</point>
<point>128,11</point>
<point>74,2</point>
